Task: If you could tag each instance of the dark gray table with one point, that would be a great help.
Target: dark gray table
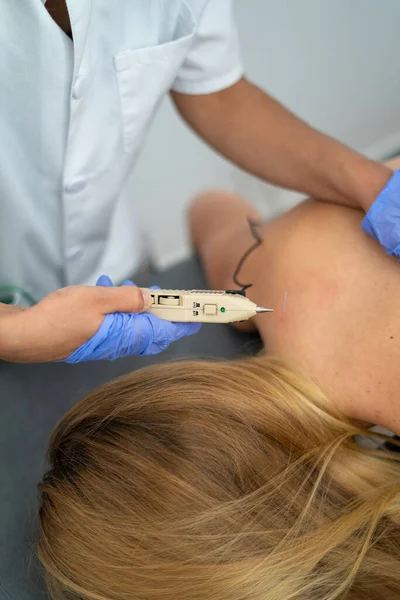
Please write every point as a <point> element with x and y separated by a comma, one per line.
<point>32,400</point>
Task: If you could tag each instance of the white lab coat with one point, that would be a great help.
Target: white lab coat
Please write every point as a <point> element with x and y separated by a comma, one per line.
<point>73,117</point>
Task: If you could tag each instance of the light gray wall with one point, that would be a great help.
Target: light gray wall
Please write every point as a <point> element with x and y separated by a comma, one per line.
<point>335,63</point>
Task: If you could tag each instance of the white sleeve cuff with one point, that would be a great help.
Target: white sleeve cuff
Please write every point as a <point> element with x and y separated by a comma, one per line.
<point>209,86</point>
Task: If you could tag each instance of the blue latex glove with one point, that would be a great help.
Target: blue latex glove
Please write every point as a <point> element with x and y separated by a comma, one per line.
<point>127,334</point>
<point>382,221</point>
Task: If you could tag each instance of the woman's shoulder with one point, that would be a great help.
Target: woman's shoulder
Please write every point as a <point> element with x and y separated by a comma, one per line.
<point>341,315</point>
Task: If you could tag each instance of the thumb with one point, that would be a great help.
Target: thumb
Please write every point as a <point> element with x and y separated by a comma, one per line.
<point>126,299</point>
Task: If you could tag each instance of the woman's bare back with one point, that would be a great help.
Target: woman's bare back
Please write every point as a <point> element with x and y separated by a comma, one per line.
<point>341,317</point>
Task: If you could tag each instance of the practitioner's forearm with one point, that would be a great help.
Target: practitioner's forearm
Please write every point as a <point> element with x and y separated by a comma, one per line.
<point>261,136</point>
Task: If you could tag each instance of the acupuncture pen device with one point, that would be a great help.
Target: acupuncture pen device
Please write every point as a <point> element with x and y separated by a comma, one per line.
<point>203,306</point>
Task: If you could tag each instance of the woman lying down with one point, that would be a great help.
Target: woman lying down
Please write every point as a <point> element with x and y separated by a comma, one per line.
<point>244,480</point>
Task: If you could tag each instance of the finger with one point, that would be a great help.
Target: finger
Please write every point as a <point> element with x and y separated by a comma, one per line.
<point>131,283</point>
<point>127,299</point>
<point>169,333</point>
<point>396,252</point>
<point>180,330</point>
<point>104,281</point>
<point>152,287</point>
<point>173,331</point>
<point>160,334</point>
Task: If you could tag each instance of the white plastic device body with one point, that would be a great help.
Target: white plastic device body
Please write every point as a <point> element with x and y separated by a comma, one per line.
<point>201,306</point>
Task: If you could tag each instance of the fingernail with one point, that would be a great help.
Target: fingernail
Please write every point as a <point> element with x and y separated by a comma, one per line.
<point>147,299</point>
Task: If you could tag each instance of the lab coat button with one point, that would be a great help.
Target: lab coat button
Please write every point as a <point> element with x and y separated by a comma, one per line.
<point>76,185</point>
<point>73,252</point>
<point>78,87</point>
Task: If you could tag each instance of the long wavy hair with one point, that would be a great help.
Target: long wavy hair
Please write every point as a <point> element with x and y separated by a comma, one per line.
<point>217,481</point>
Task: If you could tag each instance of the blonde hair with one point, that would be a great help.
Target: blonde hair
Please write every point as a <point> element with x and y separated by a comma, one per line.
<point>217,481</point>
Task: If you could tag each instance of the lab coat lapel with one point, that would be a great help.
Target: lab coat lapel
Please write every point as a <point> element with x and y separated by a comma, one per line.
<point>79,14</point>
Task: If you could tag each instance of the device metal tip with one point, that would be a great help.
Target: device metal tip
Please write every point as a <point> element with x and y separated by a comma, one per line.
<point>261,309</point>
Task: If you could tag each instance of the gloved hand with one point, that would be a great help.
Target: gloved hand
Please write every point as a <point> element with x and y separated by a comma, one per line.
<point>382,221</point>
<point>127,334</point>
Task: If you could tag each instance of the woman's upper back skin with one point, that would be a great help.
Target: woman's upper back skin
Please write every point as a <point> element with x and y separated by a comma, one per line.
<point>340,319</point>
